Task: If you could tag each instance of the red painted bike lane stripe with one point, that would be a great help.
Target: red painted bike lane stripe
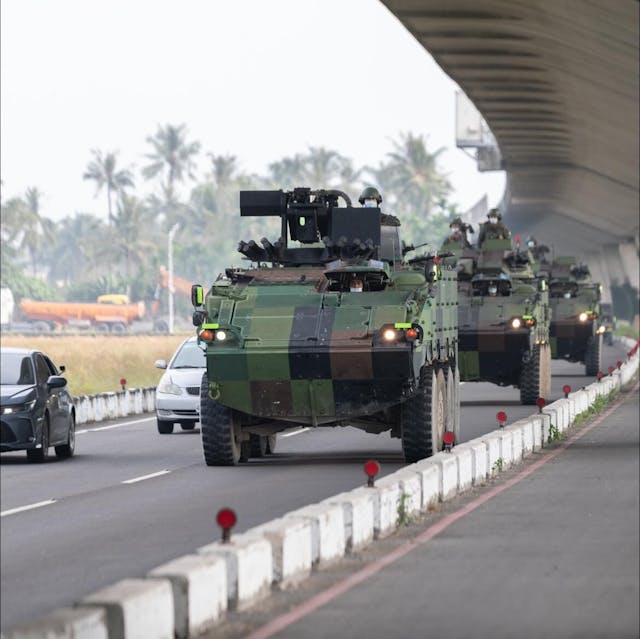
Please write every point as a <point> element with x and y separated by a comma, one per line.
<point>317,601</point>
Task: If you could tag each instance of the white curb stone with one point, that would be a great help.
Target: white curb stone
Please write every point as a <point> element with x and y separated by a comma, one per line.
<point>492,442</point>
<point>64,623</point>
<point>465,466</point>
<point>516,441</point>
<point>328,531</point>
<point>430,484</point>
<point>480,459</point>
<point>537,423</point>
<point>199,584</point>
<point>506,447</point>
<point>249,568</point>
<point>527,435</point>
<point>291,542</point>
<point>410,491</point>
<point>385,508</point>
<point>359,509</point>
<point>448,473</point>
<point>136,608</point>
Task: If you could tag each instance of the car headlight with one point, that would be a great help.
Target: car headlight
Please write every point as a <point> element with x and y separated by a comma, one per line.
<point>19,408</point>
<point>167,386</point>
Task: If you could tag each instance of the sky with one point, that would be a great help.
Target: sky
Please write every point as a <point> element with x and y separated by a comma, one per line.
<point>258,79</point>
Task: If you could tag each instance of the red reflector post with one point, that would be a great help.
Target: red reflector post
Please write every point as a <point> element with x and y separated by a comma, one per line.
<point>611,369</point>
<point>502,418</point>
<point>226,519</point>
<point>566,389</point>
<point>540,403</point>
<point>600,375</point>
<point>448,439</point>
<point>619,364</point>
<point>371,469</point>
<point>123,383</point>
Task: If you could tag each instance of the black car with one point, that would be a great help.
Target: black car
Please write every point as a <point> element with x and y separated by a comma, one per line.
<point>36,409</point>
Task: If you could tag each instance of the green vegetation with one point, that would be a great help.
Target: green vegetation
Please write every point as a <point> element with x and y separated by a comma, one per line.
<point>597,407</point>
<point>404,519</point>
<point>555,435</point>
<point>82,256</point>
<point>626,330</point>
<point>497,467</point>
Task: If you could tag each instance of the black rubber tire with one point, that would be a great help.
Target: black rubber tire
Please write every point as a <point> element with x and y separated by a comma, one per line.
<point>65,451</point>
<point>593,356</point>
<point>187,425</point>
<point>535,378</point>
<point>608,339</point>
<point>259,445</point>
<point>165,427</point>
<point>423,416</point>
<point>41,327</point>
<point>102,327</point>
<point>39,455</point>
<point>118,328</point>
<point>220,429</point>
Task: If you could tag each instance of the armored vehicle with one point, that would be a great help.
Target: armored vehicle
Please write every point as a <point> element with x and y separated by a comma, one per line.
<point>328,326</point>
<point>576,334</point>
<point>503,318</point>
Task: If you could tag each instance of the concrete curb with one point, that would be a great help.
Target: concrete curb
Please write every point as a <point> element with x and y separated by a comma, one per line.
<point>104,406</point>
<point>192,593</point>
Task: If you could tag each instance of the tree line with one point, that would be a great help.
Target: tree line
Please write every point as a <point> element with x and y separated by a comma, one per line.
<point>82,255</point>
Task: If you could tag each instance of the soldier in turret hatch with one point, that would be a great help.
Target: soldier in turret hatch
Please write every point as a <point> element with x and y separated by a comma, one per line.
<point>493,229</point>
<point>371,198</point>
<point>458,233</point>
<point>537,250</point>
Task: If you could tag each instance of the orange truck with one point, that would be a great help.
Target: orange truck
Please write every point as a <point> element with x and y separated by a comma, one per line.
<point>110,313</point>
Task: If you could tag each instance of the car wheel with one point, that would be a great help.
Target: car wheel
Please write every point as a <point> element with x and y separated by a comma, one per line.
<point>38,455</point>
<point>67,450</point>
<point>164,427</point>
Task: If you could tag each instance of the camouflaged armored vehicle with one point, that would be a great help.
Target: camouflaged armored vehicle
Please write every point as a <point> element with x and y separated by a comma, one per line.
<point>328,326</point>
<point>576,334</point>
<point>503,317</point>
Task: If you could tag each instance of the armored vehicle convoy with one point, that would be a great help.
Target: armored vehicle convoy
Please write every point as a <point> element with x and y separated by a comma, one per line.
<point>576,334</point>
<point>328,326</point>
<point>503,317</point>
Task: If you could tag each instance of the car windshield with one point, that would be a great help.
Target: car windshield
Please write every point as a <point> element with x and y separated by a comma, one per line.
<point>16,368</point>
<point>189,356</point>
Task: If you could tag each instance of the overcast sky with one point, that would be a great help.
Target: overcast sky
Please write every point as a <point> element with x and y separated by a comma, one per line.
<point>259,79</point>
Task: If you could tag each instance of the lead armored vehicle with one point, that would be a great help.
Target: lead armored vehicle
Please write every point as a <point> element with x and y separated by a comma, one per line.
<point>327,326</point>
<point>576,334</point>
<point>503,319</point>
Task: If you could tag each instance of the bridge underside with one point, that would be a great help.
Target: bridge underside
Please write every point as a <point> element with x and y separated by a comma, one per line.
<point>557,83</point>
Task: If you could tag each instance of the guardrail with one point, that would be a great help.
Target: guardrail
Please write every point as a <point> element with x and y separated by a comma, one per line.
<point>191,594</point>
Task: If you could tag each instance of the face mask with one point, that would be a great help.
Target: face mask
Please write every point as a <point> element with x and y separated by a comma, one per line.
<point>455,229</point>
<point>370,204</point>
<point>493,290</point>
<point>530,244</point>
<point>356,287</point>
<point>493,220</point>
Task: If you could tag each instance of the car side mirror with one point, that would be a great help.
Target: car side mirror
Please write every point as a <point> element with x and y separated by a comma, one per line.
<point>55,381</point>
<point>160,363</point>
<point>197,295</point>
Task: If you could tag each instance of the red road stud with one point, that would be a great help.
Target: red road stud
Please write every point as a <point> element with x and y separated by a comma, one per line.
<point>540,403</point>
<point>566,389</point>
<point>448,440</point>
<point>226,519</point>
<point>371,469</point>
<point>123,383</point>
<point>502,418</point>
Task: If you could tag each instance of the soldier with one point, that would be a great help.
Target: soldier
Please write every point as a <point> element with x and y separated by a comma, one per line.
<point>537,250</point>
<point>493,229</point>
<point>371,198</point>
<point>459,232</point>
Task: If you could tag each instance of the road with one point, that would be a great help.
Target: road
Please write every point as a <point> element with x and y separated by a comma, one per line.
<point>132,499</point>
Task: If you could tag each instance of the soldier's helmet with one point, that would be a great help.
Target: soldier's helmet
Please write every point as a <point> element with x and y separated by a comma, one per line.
<point>456,222</point>
<point>494,213</point>
<point>370,193</point>
<point>531,242</point>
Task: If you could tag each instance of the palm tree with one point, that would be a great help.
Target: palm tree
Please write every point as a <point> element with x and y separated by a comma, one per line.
<point>172,156</point>
<point>102,170</point>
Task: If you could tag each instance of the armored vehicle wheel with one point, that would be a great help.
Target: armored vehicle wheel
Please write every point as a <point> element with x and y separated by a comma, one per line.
<point>165,427</point>
<point>220,429</point>
<point>452,418</point>
<point>259,445</point>
<point>423,416</point>
<point>592,356</point>
<point>535,379</point>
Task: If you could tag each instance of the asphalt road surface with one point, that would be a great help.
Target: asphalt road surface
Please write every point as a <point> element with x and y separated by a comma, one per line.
<point>132,499</point>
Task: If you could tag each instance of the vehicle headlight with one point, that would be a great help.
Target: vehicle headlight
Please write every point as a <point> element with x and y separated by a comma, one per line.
<point>167,386</point>
<point>583,317</point>
<point>516,322</point>
<point>389,335</point>
<point>221,336</point>
<point>19,408</point>
<point>601,329</point>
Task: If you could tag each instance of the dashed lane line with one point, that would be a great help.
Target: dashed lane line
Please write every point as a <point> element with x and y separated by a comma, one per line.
<point>21,509</point>
<point>143,477</point>
<point>93,430</point>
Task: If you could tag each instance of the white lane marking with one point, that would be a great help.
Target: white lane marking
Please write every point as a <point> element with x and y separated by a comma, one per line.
<point>135,421</point>
<point>143,477</point>
<point>81,432</point>
<point>39,504</point>
<point>295,432</point>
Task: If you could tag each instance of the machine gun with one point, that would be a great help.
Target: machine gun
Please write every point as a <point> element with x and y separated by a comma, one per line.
<point>313,218</point>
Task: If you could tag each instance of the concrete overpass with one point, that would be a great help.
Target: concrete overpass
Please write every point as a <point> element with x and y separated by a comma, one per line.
<point>557,83</point>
